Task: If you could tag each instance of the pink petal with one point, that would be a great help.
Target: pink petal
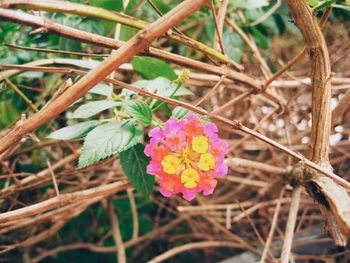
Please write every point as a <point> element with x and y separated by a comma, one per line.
<point>208,192</point>
<point>165,193</point>
<point>189,195</point>
<point>210,128</point>
<point>148,150</point>
<point>154,168</point>
<point>221,170</point>
<point>156,133</point>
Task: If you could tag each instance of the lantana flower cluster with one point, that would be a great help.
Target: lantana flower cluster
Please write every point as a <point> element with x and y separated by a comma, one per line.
<point>187,157</point>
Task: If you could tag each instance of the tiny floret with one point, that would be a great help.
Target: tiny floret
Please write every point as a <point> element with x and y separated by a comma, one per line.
<point>200,144</point>
<point>186,156</point>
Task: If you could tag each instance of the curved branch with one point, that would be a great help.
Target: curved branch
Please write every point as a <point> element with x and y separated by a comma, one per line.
<point>139,42</point>
<point>333,200</point>
<point>92,11</point>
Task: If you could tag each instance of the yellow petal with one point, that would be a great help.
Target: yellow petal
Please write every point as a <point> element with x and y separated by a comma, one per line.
<point>190,184</point>
<point>171,164</point>
<point>206,162</point>
<point>190,178</point>
<point>200,144</point>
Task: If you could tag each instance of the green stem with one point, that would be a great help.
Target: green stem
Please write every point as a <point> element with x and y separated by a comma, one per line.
<point>172,94</point>
<point>21,94</point>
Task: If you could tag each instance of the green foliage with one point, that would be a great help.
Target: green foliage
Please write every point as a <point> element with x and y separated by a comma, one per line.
<point>151,68</point>
<point>251,4</point>
<point>163,87</point>
<point>324,4</point>
<point>134,163</point>
<point>102,89</point>
<point>92,108</point>
<point>111,5</point>
<point>312,3</point>
<point>140,111</point>
<point>106,140</point>
<point>233,45</point>
<point>73,131</point>
<point>344,7</point>
<point>127,32</point>
<point>128,94</point>
<point>9,114</point>
<point>179,113</point>
<point>260,39</point>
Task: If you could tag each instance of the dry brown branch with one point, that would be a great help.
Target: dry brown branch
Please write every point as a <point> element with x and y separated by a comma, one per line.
<point>321,124</point>
<point>265,142</point>
<point>232,124</point>
<point>34,178</point>
<point>91,11</point>
<point>114,44</point>
<point>220,23</point>
<point>138,43</point>
<point>62,200</point>
<point>218,30</point>
<point>300,55</point>
<point>116,232</point>
<point>272,229</point>
<point>341,108</point>
<point>101,249</point>
<point>198,245</point>
<point>135,219</point>
<point>292,218</point>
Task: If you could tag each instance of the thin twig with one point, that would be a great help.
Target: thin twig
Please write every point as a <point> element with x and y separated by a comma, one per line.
<point>55,51</point>
<point>217,29</point>
<point>272,228</point>
<point>190,246</point>
<point>116,232</point>
<point>135,218</point>
<point>53,178</point>
<point>64,199</point>
<point>211,91</point>
<point>292,218</point>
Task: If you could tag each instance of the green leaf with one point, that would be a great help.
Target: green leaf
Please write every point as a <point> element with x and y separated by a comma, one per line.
<point>233,45</point>
<point>31,75</point>
<point>312,3</point>
<point>111,5</point>
<point>128,94</point>
<point>260,39</point>
<point>166,109</point>
<point>150,68</point>
<point>134,164</point>
<point>106,140</point>
<point>162,5</point>
<point>102,89</point>
<point>324,4</point>
<point>166,88</point>
<point>89,64</point>
<point>163,87</point>
<point>140,111</point>
<point>127,32</point>
<point>179,112</point>
<point>344,7</point>
<point>91,108</point>
<point>73,131</point>
<point>251,4</point>
<point>8,113</point>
